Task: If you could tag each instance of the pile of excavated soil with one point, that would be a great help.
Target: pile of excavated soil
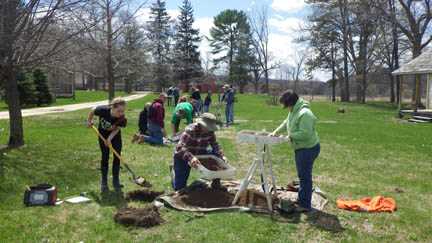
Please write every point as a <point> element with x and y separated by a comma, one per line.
<point>205,197</point>
<point>143,195</point>
<point>212,164</point>
<point>255,198</point>
<point>140,217</point>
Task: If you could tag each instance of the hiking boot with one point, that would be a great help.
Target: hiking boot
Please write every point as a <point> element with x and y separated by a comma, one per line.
<point>216,185</point>
<point>104,187</point>
<point>135,138</point>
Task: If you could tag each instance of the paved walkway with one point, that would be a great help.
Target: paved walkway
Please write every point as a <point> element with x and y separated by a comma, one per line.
<point>66,108</point>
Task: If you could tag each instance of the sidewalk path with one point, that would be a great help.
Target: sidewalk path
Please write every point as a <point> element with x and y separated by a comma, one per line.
<point>66,108</point>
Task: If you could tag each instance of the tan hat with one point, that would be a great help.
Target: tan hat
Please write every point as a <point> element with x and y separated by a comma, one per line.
<point>209,121</point>
<point>226,86</point>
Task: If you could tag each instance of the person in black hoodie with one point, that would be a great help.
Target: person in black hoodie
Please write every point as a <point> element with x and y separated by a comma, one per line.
<point>142,124</point>
<point>111,120</point>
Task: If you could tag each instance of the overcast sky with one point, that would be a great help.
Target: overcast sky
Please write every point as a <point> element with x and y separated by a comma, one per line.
<point>285,18</point>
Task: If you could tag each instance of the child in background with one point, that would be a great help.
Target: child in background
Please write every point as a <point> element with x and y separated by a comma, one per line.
<point>207,102</point>
<point>142,124</point>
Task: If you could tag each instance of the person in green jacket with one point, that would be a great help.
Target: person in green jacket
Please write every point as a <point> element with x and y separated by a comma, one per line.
<point>182,110</point>
<point>300,125</point>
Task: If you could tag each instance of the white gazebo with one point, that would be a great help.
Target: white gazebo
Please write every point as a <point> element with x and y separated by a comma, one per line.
<point>419,65</point>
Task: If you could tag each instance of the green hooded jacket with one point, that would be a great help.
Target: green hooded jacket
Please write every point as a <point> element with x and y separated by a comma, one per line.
<point>300,125</point>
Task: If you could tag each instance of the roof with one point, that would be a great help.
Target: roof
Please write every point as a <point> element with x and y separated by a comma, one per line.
<point>419,65</point>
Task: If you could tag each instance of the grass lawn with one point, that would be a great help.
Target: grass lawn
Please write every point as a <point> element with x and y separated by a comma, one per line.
<point>365,152</point>
<point>81,96</point>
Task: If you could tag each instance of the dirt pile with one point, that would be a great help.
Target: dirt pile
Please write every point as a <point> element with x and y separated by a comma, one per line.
<point>212,164</point>
<point>145,195</point>
<point>206,197</point>
<point>253,198</point>
<point>140,217</point>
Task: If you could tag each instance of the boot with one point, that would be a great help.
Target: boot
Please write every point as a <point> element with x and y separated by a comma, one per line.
<point>216,185</point>
<point>104,180</point>
<point>116,178</point>
<point>104,184</point>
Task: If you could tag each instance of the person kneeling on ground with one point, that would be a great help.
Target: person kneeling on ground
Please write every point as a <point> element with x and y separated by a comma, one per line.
<point>198,139</point>
<point>142,124</point>
<point>182,110</point>
<point>111,119</point>
<point>156,124</point>
<point>300,125</point>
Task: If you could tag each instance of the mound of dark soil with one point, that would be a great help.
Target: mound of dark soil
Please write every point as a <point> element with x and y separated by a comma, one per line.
<point>206,197</point>
<point>145,195</point>
<point>140,217</point>
<point>211,164</point>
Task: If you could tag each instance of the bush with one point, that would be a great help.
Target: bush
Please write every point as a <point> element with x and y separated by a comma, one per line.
<point>43,94</point>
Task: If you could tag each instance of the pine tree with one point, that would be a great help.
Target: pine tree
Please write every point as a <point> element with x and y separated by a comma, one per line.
<point>187,62</point>
<point>159,33</point>
<point>230,40</point>
<point>43,94</point>
<point>26,88</point>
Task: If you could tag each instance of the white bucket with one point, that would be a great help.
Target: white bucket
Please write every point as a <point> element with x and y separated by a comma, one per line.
<point>228,173</point>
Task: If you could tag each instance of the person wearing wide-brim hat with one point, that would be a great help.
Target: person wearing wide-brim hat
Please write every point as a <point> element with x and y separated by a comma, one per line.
<point>198,139</point>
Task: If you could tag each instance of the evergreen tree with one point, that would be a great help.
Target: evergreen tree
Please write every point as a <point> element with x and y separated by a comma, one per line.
<point>187,62</point>
<point>230,40</point>
<point>159,33</point>
<point>26,88</point>
<point>43,94</point>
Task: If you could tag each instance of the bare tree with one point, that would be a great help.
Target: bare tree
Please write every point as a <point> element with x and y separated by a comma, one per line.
<point>298,70</point>
<point>108,21</point>
<point>23,25</point>
<point>260,40</point>
<point>412,18</point>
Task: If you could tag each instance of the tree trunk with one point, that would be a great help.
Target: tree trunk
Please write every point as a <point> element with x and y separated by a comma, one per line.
<point>344,14</point>
<point>16,132</point>
<point>109,63</point>
<point>333,74</point>
<point>416,98</point>
<point>392,88</point>
<point>267,86</point>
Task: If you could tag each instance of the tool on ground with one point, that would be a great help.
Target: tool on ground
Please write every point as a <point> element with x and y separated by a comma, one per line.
<point>262,140</point>
<point>40,195</point>
<point>136,179</point>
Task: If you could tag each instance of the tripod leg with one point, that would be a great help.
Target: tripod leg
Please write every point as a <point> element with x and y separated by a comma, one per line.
<point>266,189</point>
<point>246,181</point>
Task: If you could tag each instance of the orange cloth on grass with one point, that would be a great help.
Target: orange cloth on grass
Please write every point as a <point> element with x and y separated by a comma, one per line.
<point>367,204</point>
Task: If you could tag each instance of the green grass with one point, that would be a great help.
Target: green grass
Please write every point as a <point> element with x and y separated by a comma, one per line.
<point>81,96</point>
<point>365,152</point>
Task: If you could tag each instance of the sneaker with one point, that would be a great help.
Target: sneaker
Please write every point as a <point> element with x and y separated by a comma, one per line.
<point>300,209</point>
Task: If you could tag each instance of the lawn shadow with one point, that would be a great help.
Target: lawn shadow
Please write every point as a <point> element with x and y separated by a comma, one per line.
<point>324,221</point>
<point>110,198</point>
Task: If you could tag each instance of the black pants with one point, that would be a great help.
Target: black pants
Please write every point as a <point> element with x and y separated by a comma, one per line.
<point>176,99</point>
<point>117,145</point>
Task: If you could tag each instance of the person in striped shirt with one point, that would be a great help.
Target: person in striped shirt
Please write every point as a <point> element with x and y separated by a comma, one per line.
<point>198,139</point>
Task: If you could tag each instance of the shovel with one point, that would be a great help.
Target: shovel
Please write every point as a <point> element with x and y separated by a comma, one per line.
<point>140,181</point>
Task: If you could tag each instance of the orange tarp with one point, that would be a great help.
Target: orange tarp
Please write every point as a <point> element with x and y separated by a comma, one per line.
<point>367,204</point>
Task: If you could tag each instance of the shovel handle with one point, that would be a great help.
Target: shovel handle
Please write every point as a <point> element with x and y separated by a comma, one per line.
<point>110,146</point>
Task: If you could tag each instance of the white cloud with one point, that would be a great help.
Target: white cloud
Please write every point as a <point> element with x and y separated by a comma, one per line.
<point>204,25</point>
<point>288,5</point>
<point>286,25</point>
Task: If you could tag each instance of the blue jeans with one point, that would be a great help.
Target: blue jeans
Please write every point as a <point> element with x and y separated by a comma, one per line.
<point>304,162</point>
<point>181,172</point>
<point>229,113</point>
<point>206,108</point>
<point>155,134</point>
